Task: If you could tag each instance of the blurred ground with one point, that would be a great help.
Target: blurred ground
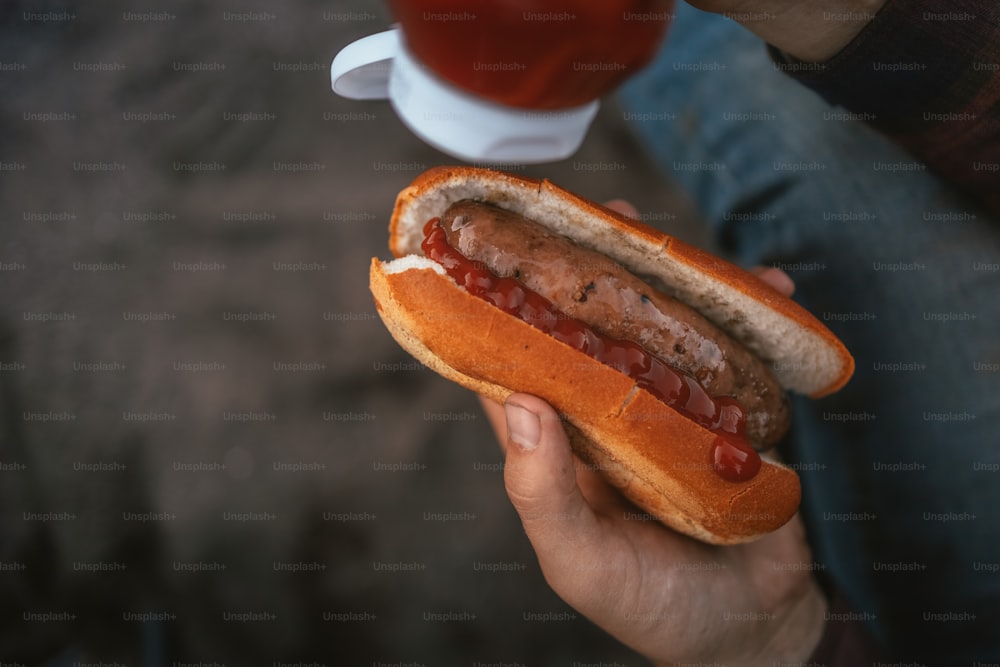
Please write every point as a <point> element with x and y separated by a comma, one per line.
<point>211,450</point>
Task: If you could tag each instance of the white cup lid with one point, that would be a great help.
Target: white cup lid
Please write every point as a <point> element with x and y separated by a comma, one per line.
<point>464,126</point>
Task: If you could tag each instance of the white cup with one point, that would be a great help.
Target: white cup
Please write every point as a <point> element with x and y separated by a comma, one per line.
<point>464,126</point>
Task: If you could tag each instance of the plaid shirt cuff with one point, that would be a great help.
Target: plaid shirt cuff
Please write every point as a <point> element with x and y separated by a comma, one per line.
<point>927,74</point>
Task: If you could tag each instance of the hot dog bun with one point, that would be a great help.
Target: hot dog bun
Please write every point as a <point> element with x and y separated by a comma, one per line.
<point>655,455</point>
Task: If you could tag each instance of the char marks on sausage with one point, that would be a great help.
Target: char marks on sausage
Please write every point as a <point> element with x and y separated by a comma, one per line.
<point>589,286</point>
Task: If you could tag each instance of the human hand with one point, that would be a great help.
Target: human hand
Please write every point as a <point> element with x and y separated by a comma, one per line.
<point>805,29</point>
<point>667,596</point>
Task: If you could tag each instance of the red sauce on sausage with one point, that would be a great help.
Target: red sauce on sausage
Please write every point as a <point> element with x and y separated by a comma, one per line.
<point>731,457</point>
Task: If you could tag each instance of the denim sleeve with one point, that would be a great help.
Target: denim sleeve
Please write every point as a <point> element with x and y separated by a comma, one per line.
<point>901,495</point>
<point>927,74</point>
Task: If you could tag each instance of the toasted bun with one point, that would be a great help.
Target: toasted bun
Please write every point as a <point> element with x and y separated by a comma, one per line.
<point>657,457</point>
<point>803,354</point>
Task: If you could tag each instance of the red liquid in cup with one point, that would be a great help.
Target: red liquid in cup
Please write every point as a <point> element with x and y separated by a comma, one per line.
<point>535,54</point>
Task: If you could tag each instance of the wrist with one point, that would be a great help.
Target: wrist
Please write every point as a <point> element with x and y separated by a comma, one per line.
<point>796,629</point>
<point>799,629</point>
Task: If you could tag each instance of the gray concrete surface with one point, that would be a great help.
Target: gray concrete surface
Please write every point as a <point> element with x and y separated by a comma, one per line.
<point>212,450</point>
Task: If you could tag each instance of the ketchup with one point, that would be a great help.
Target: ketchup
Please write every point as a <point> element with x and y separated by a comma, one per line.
<point>731,457</point>
<point>534,54</point>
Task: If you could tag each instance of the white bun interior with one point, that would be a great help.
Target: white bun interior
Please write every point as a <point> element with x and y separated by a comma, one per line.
<point>803,354</point>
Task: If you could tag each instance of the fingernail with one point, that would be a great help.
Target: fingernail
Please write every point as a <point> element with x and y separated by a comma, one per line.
<point>523,426</point>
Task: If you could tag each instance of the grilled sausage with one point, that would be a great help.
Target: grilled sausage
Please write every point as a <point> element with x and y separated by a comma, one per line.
<point>589,286</point>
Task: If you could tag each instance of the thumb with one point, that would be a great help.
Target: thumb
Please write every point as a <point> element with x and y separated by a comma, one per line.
<point>540,476</point>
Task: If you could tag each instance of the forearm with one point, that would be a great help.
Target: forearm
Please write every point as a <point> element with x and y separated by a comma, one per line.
<point>805,29</point>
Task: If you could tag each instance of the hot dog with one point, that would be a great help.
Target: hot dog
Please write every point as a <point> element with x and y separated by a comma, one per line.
<point>668,365</point>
